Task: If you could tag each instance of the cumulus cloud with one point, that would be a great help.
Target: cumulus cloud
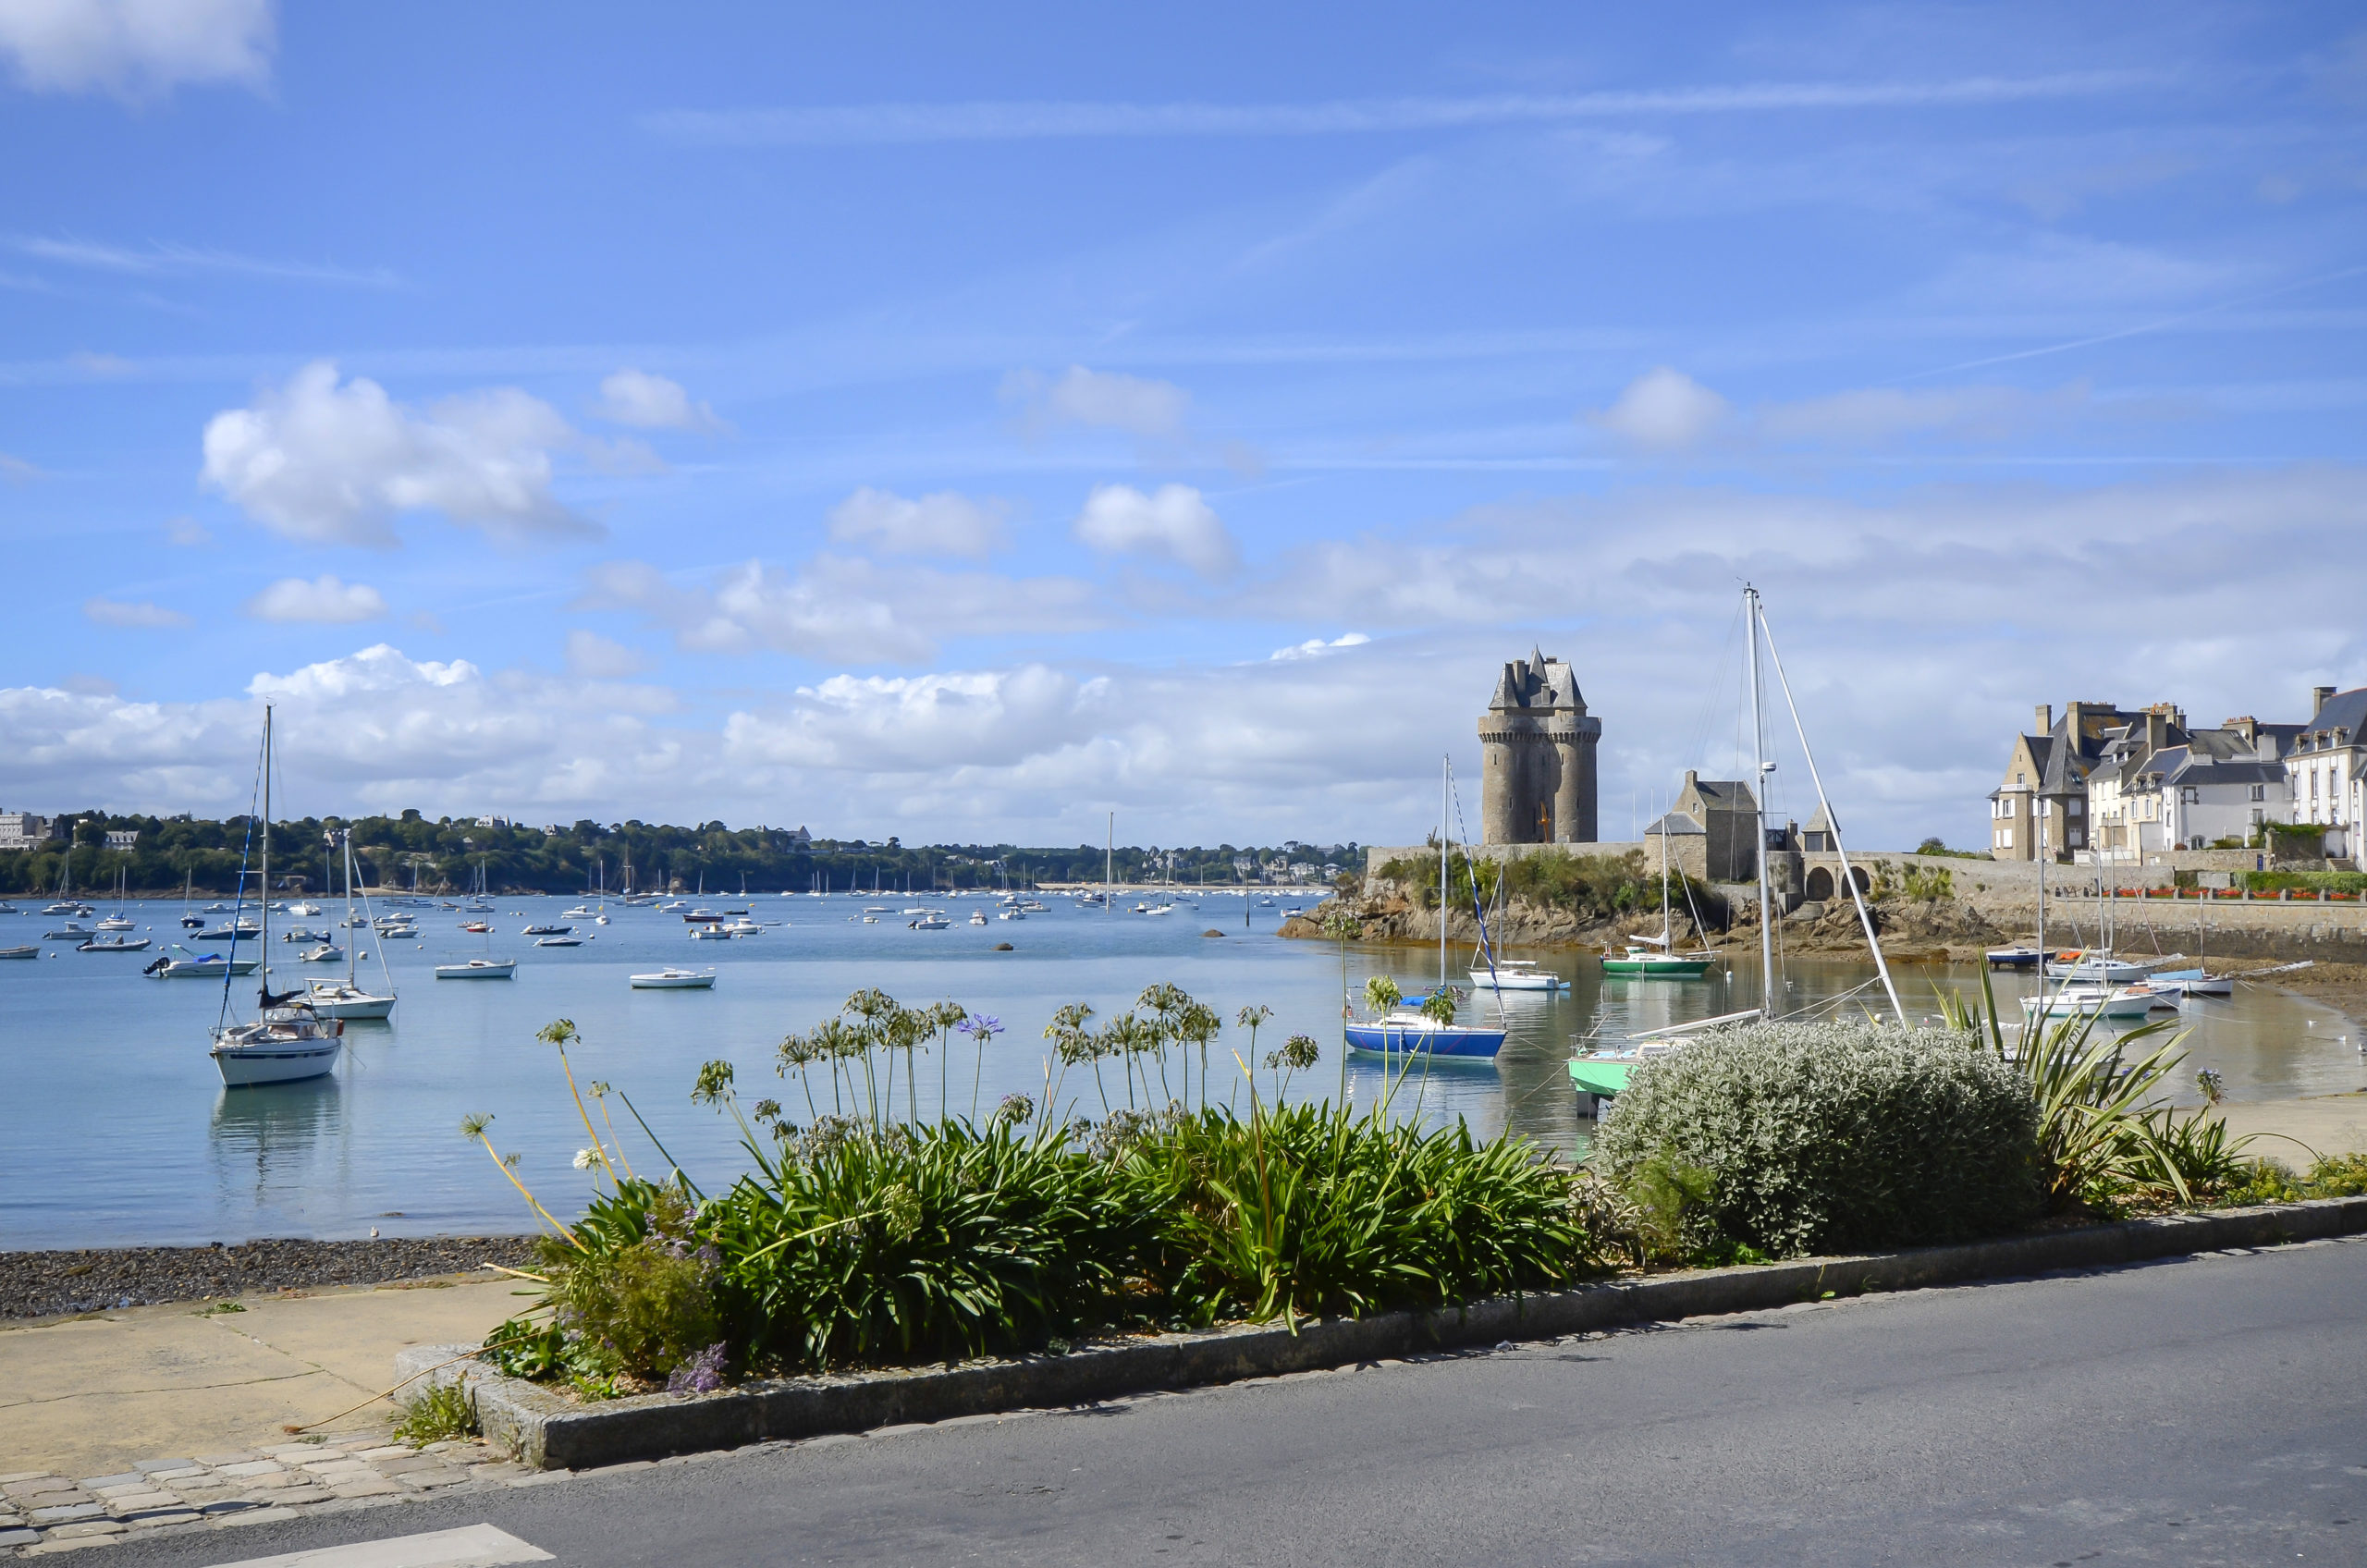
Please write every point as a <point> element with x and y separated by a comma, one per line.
<point>945,523</point>
<point>323,600</point>
<point>1663,409</point>
<point>329,463</point>
<point>597,658</point>
<point>138,614</point>
<point>652,402</point>
<point>1172,521</point>
<point>187,533</point>
<point>136,48</point>
<point>1103,400</point>
<point>838,607</point>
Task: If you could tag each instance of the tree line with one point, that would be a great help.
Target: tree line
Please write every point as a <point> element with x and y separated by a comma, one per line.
<point>445,855</point>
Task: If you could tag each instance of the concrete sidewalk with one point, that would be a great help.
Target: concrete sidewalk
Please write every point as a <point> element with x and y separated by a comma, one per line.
<point>2326,1125</point>
<point>91,1395</point>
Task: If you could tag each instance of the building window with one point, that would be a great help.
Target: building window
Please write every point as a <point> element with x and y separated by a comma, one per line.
<point>2190,795</point>
<point>2073,809</point>
<point>2259,792</point>
<point>2004,838</point>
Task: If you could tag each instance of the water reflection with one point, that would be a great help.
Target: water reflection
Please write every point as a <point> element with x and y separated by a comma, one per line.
<point>273,1140</point>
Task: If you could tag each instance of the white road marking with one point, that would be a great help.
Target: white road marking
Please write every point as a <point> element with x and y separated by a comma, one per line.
<point>477,1546</point>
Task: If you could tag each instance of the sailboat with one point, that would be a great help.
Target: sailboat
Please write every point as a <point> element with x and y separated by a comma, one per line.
<point>346,999</point>
<point>1652,958</point>
<point>287,1041</point>
<point>1601,1075</point>
<point>1409,1029</point>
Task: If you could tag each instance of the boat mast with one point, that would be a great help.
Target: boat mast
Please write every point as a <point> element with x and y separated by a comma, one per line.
<point>1109,864</point>
<point>1758,797</point>
<point>1446,783</point>
<point>262,951</point>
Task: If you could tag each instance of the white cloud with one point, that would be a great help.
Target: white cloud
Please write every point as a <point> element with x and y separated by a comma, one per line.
<point>333,464</point>
<point>838,607</point>
<point>1104,399</point>
<point>1869,416</point>
<point>139,614</point>
<point>177,260</point>
<point>323,600</point>
<point>1174,522</point>
<point>652,402</point>
<point>945,523</point>
<point>596,657</point>
<point>876,124</point>
<point>1663,409</point>
<point>135,48</point>
<point>1315,648</point>
<point>187,533</point>
<point>17,469</point>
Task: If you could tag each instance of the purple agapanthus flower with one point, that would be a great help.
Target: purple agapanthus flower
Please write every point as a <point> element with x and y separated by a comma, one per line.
<point>703,1374</point>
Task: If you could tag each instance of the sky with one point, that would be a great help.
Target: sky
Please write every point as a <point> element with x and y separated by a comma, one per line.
<point>963,423</point>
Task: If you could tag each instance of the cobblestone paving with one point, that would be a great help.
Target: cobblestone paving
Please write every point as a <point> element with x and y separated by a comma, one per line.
<point>41,1513</point>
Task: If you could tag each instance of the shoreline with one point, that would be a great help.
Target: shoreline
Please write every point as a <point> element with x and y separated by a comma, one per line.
<point>62,1283</point>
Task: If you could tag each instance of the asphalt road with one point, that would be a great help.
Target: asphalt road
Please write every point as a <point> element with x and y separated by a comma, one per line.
<point>2202,1410</point>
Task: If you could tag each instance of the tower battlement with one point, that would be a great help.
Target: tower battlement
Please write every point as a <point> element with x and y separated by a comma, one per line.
<point>1537,753</point>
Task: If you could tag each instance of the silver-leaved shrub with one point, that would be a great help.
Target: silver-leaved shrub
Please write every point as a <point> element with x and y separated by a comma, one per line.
<point>1831,1137</point>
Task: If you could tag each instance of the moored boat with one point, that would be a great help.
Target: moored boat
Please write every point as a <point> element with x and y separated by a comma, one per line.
<point>478,968</point>
<point>287,1041</point>
<point>672,979</point>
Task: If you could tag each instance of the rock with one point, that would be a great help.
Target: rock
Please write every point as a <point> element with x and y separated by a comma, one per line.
<point>1212,932</point>
<point>1002,946</point>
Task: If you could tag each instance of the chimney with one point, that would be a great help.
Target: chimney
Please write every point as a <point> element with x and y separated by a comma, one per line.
<point>2318,695</point>
<point>2046,718</point>
<point>2157,730</point>
<point>2247,726</point>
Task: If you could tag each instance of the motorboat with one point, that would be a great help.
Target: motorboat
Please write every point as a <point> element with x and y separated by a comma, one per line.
<point>476,927</point>
<point>702,916</point>
<point>2013,958</point>
<point>328,952</point>
<point>114,945</point>
<point>27,949</point>
<point>8,908</point>
<point>931,921</point>
<point>241,931</point>
<point>977,917</point>
<point>72,931</point>
<point>743,926</point>
<point>1515,975</point>
<point>116,922</point>
<point>341,999</point>
<point>478,968</point>
<point>199,966</point>
<point>1012,914</point>
<point>577,912</point>
<point>303,933</point>
<point>539,929</point>
<point>672,979</point>
<point>306,910</point>
<point>558,941</point>
<point>709,934</point>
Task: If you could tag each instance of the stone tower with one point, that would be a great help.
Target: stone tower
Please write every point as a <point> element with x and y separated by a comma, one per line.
<point>1536,749</point>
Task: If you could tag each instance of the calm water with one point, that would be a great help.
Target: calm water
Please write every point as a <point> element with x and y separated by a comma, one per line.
<point>120,1130</point>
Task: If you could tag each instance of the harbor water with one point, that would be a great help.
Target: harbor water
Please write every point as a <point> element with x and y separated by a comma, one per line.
<point>120,1132</point>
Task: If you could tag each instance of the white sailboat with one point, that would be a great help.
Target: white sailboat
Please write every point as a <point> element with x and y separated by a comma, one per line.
<point>287,1041</point>
<point>346,999</point>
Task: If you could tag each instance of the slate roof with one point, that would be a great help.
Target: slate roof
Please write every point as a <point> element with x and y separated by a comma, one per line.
<point>1676,825</point>
<point>2345,711</point>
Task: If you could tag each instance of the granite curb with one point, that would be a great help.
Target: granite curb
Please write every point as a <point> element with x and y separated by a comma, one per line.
<point>545,1432</point>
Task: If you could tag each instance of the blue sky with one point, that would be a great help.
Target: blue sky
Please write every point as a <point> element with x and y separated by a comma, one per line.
<point>959,424</point>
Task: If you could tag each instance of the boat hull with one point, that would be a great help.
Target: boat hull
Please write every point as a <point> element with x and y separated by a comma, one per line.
<point>244,1067</point>
<point>379,1008</point>
<point>1596,1076</point>
<point>1501,980</point>
<point>1654,967</point>
<point>475,971</point>
<point>673,981</point>
<point>1451,1040</point>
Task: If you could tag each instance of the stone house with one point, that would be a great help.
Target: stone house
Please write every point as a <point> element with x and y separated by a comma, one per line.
<point>1711,829</point>
<point>2326,770</point>
<point>2044,793</point>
